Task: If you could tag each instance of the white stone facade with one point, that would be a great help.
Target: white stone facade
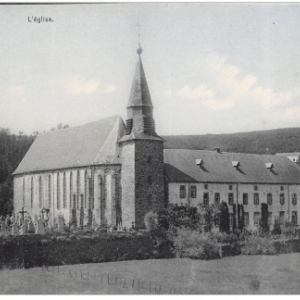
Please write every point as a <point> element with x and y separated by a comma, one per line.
<point>290,208</point>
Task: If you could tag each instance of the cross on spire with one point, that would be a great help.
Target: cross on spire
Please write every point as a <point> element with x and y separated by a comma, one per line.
<point>139,49</point>
<point>138,25</point>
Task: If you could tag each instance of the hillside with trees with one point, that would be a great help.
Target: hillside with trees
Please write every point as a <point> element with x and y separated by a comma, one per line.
<point>260,142</point>
<point>12,150</point>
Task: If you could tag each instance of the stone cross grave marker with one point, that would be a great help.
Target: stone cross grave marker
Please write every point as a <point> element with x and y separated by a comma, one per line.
<point>22,212</point>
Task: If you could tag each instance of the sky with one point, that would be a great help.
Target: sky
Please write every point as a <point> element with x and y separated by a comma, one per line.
<point>211,68</point>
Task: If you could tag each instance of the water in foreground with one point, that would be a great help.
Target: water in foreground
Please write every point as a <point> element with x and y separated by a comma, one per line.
<point>277,274</point>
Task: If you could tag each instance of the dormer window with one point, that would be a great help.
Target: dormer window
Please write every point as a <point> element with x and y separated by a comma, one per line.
<point>269,166</point>
<point>199,162</point>
<point>235,164</point>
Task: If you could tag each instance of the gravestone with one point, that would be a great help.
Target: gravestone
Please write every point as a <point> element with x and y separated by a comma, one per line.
<point>61,222</point>
<point>30,227</point>
<point>40,229</point>
<point>14,229</point>
<point>23,229</point>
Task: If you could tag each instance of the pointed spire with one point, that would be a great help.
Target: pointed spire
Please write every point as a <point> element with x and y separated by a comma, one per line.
<point>139,95</point>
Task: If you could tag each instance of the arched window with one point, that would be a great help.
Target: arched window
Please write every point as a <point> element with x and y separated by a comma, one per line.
<point>71,188</point>
<point>31,192</point>
<point>49,190</point>
<point>86,189</point>
<point>23,191</point>
<point>149,159</point>
<point>78,188</point>
<point>64,191</point>
<point>58,191</point>
<point>149,199</point>
<point>40,192</point>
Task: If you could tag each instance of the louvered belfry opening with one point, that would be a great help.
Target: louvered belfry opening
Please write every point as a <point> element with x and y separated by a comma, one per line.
<point>128,129</point>
<point>148,125</point>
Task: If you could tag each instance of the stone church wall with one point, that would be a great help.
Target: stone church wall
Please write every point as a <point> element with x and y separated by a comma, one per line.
<point>149,179</point>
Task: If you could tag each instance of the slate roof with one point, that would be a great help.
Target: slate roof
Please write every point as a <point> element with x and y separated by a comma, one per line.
<point>139,94</point>
<point>288,154</point>
<point>92,143</point>
<point>180,166</point>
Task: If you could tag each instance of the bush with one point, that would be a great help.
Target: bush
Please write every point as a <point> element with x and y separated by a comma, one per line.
<point>255,245</point>
<point>190,243</point>
<point>224,218</point>
<point>264,226</point>
<point>289,232</point>
<point>276,229</point>
<point>151,221</point>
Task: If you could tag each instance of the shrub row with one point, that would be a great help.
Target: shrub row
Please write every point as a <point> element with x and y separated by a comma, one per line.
<point>38,250</point>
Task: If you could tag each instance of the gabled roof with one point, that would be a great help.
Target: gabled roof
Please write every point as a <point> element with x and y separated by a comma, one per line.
<point>92,143</point>
<point>180,166</point>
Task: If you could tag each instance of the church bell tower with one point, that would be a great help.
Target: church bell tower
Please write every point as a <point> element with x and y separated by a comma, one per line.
<point>141,155</point>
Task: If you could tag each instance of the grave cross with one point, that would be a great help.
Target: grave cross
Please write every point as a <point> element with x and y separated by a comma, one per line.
<point>43,211</point>
<point>22,212</point>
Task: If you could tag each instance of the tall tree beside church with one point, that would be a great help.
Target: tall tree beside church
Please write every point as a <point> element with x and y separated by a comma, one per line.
<point>224,218</point>
<point>12,149</point>
<point>234,218</point>
<point>264,226</point>
<point>241,217</point>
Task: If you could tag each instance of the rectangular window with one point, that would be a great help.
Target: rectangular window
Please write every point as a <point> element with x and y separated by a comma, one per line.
<point>256,198</point>
<point>281,217</point>
<point>255,188</point>
<point>281,199</point>
<point>193,191</point>
<point>246,218</point>
<point>270,218</point>
<point>230,187</point>
<point>294,199</point>
<point>294,217</point>
<point>217,219</point>
<point>230,199</point>
<point>205,198</point>
<point>231,219</point>
<point>245,199</point>
<point>217,198</point>
<point>206,186</point>
<point>282,188</point>
<point>182,191</point>
<point>256,218</point>
<point>269,199</point>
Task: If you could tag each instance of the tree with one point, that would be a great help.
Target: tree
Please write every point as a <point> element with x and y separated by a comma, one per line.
<point>241,217</point>
<point>264,226</point>
<point>224,218</point>
<point>234,218</point>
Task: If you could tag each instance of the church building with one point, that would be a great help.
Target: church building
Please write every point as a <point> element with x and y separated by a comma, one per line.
<point>109,172</point>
